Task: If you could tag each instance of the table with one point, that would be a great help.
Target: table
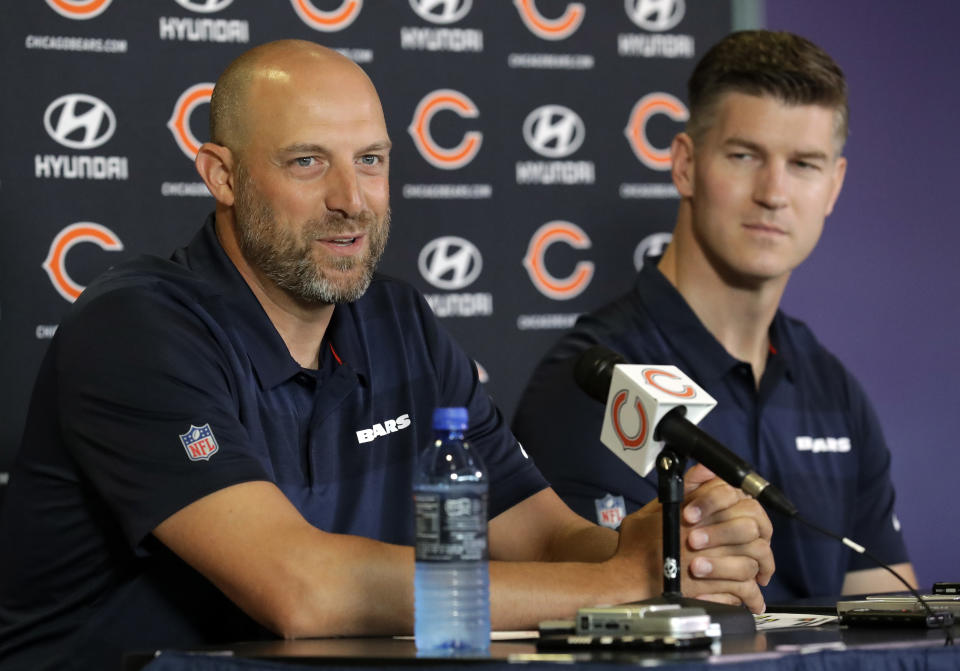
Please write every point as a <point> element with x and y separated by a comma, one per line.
<point>826,648</point>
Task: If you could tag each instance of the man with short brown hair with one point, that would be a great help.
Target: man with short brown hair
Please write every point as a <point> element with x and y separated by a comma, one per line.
<point>758,170</point>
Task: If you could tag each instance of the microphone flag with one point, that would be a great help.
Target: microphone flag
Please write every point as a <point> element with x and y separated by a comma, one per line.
<point>638,398</point>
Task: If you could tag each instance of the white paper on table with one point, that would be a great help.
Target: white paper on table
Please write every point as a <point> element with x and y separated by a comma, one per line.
<point>769,621</point>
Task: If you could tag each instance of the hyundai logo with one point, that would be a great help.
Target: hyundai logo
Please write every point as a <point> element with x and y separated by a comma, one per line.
<point>450,11</point>
<point>204,6</point>
<point>79,121</point>
<point>655,15</point>
<point>654,244</point>
<point>553,131</point>
<point>450,262</point>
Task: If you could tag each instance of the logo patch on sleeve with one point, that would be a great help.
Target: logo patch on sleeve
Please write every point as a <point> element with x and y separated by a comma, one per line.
<point>610,510</point>
<point>199,442</point>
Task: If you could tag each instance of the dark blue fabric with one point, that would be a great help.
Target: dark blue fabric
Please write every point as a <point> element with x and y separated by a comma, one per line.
<point>804,392</point>
<point>155,347</point>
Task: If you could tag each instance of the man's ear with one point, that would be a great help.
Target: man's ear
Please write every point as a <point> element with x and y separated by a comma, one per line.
<point>215,163</point>
<point>681,164</point>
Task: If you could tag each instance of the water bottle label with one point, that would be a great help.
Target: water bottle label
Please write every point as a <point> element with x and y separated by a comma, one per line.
<point>451,527</point>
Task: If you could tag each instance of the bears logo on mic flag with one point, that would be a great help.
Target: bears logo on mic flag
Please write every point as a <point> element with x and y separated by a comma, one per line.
<point>639,397</point>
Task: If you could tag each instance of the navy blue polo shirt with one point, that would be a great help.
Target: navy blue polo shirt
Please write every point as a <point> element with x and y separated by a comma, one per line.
<point>809,429</point>
<point>167,382</point>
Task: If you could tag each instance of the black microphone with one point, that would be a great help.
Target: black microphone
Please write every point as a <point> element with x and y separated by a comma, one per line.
<point>594,370</point>
<point>596,373</point>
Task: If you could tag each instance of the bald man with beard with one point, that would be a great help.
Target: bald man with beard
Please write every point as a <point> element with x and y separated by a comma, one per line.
<point>201,462</point>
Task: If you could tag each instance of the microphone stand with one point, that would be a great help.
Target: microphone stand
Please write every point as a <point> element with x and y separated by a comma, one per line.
<point>732,619</point>
<point>670,466</point>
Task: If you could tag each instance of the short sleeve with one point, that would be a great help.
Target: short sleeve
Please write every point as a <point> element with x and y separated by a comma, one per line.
<point>142,373</point>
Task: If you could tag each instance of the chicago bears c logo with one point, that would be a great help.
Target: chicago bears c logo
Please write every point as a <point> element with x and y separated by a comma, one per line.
<point>331,21</point>
<point>79,10</point>
<point>558,288</point>
<point>636,130</point>
<point>179,123</point>
<point>419,129</point>
<point>551,29</point>
<point>74,234</point>
<point>637,439</point>
<point>650,373</point>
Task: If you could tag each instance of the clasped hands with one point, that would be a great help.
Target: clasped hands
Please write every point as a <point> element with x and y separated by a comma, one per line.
<point>725,542</point>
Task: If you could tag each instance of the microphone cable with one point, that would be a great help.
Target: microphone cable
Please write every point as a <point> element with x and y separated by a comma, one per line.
<point>859,549</point>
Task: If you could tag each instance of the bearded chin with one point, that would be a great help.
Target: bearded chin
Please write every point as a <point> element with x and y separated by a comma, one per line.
<point>288,260</point>
<point>310,283</point>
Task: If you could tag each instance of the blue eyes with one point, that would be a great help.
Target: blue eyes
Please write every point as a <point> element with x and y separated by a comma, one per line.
<point>368,160</point>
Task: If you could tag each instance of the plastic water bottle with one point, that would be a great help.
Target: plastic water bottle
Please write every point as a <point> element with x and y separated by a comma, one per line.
<point>451,585</point>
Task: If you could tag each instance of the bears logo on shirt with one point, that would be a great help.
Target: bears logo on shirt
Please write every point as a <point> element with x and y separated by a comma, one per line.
<point>384,428</point>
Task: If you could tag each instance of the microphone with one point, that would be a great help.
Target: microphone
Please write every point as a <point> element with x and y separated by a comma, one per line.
<point>667,395</point>
<point>647,406</point>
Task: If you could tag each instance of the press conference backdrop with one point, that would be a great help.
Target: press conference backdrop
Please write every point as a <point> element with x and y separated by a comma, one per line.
<point>529,170</point>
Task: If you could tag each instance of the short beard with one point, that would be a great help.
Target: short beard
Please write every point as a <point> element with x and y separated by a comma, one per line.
<point>286,257</point>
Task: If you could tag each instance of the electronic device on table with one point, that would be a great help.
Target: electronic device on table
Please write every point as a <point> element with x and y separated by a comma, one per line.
<point>943,607</point>
<point>632,626</point>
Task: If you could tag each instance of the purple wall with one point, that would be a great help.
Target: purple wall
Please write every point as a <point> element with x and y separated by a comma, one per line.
<point>881,288</point>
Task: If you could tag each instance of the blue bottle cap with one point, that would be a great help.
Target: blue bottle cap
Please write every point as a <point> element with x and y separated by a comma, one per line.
<point>450,419</point>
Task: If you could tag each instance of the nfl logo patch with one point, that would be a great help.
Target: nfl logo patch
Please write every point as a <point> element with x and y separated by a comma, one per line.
<point>610,510</point>
<point>199,442</point>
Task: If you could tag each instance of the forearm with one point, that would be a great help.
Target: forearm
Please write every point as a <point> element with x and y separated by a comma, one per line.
<point>373,593</point>
<point>584,543</point>
<point>294,579</point>
<point>558,562</point>
<point>876,580</point>
<point>346,586</point>
<point>522,594</point>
